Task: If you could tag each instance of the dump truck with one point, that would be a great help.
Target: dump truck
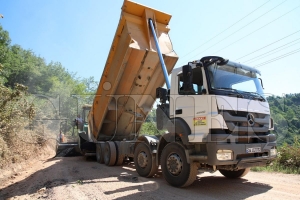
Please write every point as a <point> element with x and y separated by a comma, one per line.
<point>213,110</point>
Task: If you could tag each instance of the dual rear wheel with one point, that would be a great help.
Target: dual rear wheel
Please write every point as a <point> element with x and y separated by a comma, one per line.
<point>99,153</point>
<point>109,153</point>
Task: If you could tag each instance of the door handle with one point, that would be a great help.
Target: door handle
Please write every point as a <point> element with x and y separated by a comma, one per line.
<point>178,111</point>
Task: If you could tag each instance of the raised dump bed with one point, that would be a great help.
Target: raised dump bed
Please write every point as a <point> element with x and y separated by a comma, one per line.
<point>127,89</point>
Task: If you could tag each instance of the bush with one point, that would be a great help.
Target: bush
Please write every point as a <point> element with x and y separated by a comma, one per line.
<point>289,156</point>
<point>287,161</point>
<point>16,142</point>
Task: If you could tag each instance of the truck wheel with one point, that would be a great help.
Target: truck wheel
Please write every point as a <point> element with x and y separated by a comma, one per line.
<point>110,153</point>
<point>120,157</point>
<point>99,154</point>
<point>144,161</point>
<point>234,174</point>
<point>175,169</point>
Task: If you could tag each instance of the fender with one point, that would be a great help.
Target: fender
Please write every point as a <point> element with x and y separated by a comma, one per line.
<point>150,140</point>
<point>178,128</point>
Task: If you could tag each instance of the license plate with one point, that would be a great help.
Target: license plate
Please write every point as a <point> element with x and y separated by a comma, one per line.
<point>253,150</point>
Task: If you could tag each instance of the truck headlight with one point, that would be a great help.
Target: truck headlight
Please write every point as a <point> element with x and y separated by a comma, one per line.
<point>224,154</point>
<point>273,152</point>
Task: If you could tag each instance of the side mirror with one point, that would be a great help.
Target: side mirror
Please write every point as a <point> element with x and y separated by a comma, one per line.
<point>204,91</point>
<point>162,94</point>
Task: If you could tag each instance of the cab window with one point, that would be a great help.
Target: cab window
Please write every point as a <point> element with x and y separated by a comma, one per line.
<point>197,82</point>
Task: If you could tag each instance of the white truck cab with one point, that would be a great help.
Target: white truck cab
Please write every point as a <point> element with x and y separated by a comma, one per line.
<point>218,111</point>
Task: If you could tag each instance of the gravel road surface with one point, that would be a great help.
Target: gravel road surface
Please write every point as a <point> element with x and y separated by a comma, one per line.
<point>80,178</point>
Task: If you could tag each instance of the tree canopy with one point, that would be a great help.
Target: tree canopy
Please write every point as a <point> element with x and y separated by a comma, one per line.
<point>285,111</point>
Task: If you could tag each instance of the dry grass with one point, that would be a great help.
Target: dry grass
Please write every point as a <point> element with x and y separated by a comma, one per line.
<point>23,144</point>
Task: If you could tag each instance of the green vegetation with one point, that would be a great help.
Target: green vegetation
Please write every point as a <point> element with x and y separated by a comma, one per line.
<point>285,111</point>
<point>34,96</point>
<point>287,161</point>
<point>149,126</point>
<point>79,182</point>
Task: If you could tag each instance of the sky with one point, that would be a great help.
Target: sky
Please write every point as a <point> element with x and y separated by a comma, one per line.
<point>78,34</point>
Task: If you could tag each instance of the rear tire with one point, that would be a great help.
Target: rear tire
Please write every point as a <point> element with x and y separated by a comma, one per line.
<point>175,169</point>
<point>234,174</point>
<point>120,157</point>
<point>144,160</point>
<point>110,153</point>
<point>99,154</point>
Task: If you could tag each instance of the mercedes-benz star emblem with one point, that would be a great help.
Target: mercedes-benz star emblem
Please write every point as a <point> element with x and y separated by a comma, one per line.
<point>250,119</point>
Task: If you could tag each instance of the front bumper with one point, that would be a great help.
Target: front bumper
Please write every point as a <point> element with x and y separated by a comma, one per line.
<point>241,158</point>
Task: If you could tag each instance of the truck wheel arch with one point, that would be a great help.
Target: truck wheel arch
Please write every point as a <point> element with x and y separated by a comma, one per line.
<point>150,140</point>
<point>182,130</point>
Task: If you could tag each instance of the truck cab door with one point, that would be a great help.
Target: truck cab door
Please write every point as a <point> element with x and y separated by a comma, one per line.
<point>191,105</point>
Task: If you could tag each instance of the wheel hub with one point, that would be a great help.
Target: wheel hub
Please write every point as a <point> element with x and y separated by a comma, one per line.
<point>174,164</point>
<point>142,159</point>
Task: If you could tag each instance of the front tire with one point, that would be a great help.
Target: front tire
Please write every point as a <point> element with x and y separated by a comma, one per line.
<point>234,174</point>
<point>175,169</point>
<point>144,160</point>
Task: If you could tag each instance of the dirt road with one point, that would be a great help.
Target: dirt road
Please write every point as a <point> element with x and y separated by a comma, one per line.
<point>77,178</point>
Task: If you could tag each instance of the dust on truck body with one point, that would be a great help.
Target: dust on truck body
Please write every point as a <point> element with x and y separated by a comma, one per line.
<point>213,110</point>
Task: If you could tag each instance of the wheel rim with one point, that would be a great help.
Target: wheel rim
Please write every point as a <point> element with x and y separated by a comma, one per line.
<point>174,164</point>
<point>142,159</point>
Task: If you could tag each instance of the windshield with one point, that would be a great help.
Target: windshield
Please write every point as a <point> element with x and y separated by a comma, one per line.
<point>227,77</point>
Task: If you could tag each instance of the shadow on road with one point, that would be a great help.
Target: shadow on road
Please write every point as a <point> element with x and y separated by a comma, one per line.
<point>209,187</point>
<point>77,170</point>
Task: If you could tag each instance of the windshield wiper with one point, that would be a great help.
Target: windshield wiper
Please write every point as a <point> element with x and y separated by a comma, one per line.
<point>239,95</point>
<point>259,96</point>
